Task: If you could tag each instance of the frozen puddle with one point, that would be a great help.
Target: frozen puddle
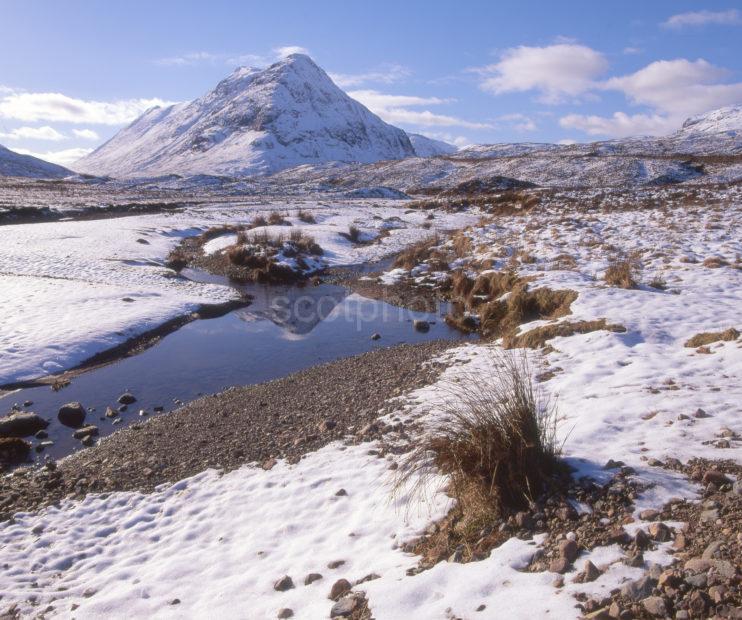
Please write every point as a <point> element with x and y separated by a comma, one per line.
<point>284,330</point>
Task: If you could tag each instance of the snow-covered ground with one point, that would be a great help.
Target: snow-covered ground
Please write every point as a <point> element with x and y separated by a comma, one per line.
<point>217,543</point>
<point>72,289</point>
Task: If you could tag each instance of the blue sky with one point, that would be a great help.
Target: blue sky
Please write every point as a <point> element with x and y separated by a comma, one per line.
<point>74,72</point>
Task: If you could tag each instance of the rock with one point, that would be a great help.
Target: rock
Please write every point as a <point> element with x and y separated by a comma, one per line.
<point>568,549</point>
<point>13,450</point>
<point>87,441</point>
<point>311,578</point>
<point>641,540</point>
<point>376,336</point>
<point>111,413</point>
<point>709,516</point>
<point>560,565</point>
<point>286,612</point>
<point>41,434</point>
<point>21,424</point>
<point>649,515</point>
<point>421,326</point>
<point>72,414</point>
<point>715,477</point>
<point>655,605</point>
<point>598,614</point>
<point>335,564</point>
<point>697,604</point>
<point>737,487</point>
<point>339,588</point>
<point>589,573</point>
<point>638,590</point>
<point>327,425</point>
<point>127,399</point>
<point>697,581</point>
<point>611,464</point>
<point>84,431</point>
<point>635,559</point>
<point>283,584</point>
<point>697,565</point>
<point>524,521</point>
<point>268,464</point>
<point>457,555</point>
<point>717,594</point>
<point>344,607</point>
<point>711,549</point>
<point>700,413</point>
<point>659,532</point>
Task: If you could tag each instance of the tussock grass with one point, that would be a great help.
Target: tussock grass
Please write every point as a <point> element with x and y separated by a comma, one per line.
<point>353,235</point>
<point>306,217</point>
<point>714,262</point>
<point>417,253</point>
<point>494,438</point>
<point>537,337</point>
<point>258,221</point>
<point>705,338</point>
<point>278,219</point>
<point>622,273</point>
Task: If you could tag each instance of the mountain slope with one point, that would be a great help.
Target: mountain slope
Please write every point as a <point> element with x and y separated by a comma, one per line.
<point>428,147</point>
<point>14,164</point>
<point>253,122</point>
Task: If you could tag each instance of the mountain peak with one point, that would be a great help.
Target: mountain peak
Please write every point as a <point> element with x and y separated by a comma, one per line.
<point>255,121</point>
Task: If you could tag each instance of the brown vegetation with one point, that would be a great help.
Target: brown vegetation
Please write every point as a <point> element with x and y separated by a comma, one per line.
<point>705,338</point>
<point>495,441</point>
<point>306,217</point>
<point>621,272</point>
<point>537,337</point>
<point>417,253</point>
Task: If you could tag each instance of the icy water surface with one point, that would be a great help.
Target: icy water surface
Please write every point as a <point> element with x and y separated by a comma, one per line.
<point>284,330</point>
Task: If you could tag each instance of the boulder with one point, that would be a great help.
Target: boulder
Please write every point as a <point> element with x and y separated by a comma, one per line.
<point>283,584</point>
<point>340,588</point>
<point>21,424</point>
<point>72,414</point>
<point>127,399</point>
<point>421,326</point>
<point>13,450</point>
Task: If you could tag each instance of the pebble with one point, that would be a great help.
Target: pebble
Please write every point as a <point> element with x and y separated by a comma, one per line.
<point>339,588</point>
<point>283,584</point>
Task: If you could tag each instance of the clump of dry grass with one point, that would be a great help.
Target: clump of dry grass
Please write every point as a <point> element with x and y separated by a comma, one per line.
<point>494,438</point>
<point>306,217</point>
<point>714,262</point>
<point>462,245</point>
<point>353,235</point>
<point>304,243</point>
<point>622,272</point>
<point>658,282</point>
<point>258,221</point>
<point>705,338</point>
<point>417,253</point>
<point>177,259</point>
<point>278,219</point>
<point>537,337</point>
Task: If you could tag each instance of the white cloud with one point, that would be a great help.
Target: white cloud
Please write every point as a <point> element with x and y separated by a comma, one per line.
<point>86,134</point>
<point>63,158</point>
<point>57,107</point>
<point>395,109</point>
<point>673,90</point>
<point>679,87</point>
<point>630,51</point>
<point>33,133</point>
<point>287,50</point>
<point>619,125</point>
<point>560,71</point>
<point>458,141</point>
<point>384,75</point>
<point>702,18</point>
<point>189,59</point>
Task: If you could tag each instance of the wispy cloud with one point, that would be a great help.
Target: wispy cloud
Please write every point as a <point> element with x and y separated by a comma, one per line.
<point>232,59</point>
<point>386,74</point>
<point>287,50</point>
<point>86,134</point>
<point>190,59</point>
<point>33,133</point>
<point>732,17</point>
<point>56,107</point>
<point>397,109</point>
<point>63,158</point>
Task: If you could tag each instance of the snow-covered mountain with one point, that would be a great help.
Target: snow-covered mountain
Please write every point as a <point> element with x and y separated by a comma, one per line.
<point>428,147</point>
<point>14,164</point>
<point>253,122</point>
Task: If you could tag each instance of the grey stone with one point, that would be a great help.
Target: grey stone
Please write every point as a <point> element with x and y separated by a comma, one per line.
<point>639,589</point>
<point>655,605</point>
<point>344,607</point>
<point>21,424</point>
